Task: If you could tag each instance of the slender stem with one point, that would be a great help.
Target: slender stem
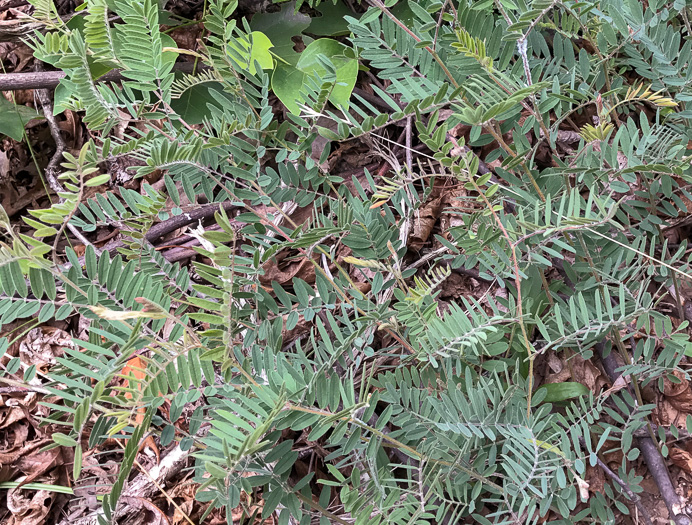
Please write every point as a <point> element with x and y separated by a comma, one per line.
<point>625,487</point>
<point>498,137</point>
<point>436,57</point>
<point>517,284</point>
<point>398,444</point>
<point>615,334</point>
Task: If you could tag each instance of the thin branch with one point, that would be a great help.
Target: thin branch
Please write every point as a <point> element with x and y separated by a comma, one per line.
<point>14,3</point>
<point>652,456</point>
<point>409,150</point>
<point>52,170</point>
<point>522,46</point>
<point>179,221</point>
<point>50,79</point>
<point>625,487</point>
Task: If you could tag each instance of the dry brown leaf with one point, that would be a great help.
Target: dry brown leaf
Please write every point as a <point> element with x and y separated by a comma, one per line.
<point>20,449</point>
<point>595,479</point>
<point>12,411</point>
<point>425,221</point>
<point>37,464</point>
<point>461,286</point>
<point>682,459</point>
<point>554,362</point>
<point>620,383</point>
<point>298,331</point>
<point>42,346</point>
<point>154,516</point>
<point>186,36</point>
<point>461,130</point>
<point>185,492</point>
<point>284,274</point>
<point>675,403</point>
<point>582,371</point>
<point>29,507</point>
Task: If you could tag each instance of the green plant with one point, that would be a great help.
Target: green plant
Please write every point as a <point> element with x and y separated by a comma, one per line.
<point>425,417</point>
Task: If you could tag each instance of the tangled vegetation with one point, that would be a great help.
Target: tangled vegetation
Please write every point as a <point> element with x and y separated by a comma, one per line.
<point>552,136</point>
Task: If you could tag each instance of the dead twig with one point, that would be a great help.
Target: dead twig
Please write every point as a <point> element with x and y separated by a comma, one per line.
<point>14,3</point>
<point>52,170</point>
<point>179,221</point>
<point>165,227</point>
<point>625,487</point>
<point>50,79</point>
<point>652,455</point>
<point>145,485</point>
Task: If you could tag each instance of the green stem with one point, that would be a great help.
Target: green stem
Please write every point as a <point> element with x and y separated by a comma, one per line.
<point>436,57</point>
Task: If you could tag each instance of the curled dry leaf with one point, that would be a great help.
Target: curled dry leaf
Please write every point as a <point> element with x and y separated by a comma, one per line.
<point>151,515</point>
<point>363,288</point>
<point>675,403</point>
<point>620,383</point>
<point>185,492</point>
<point>283,274</point>
<point>424,222</point>
<point>577,369</point>
<point>681,458</point>
<point>583,488</point>
<point>28,459</point>
<point>554,362</point>
<point>17,406</point>
<point>19,449</point>
<point>42,346</point>
<point>29,507</point>
<point>37,464</point>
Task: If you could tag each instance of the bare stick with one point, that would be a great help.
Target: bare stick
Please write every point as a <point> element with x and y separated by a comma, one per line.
<point>145,485</point>
<point>50,79</point>
<point>52,171</point>
<point>625,487</point>
<point>521,47</point>
<point>409,151</point>
<point>203,212</point>
<point>652,456</point>
<point>13,3</point>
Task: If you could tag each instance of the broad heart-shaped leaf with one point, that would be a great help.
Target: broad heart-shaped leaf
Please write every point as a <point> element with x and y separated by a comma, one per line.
<point>280,28</point>
<point>259,52</point>
<point>192,105</point>
<point>288,81</point>
<point>332,22</point>
<point>14,117</point>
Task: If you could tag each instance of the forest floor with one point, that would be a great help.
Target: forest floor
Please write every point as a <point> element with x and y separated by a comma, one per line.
<point>24,460</point>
